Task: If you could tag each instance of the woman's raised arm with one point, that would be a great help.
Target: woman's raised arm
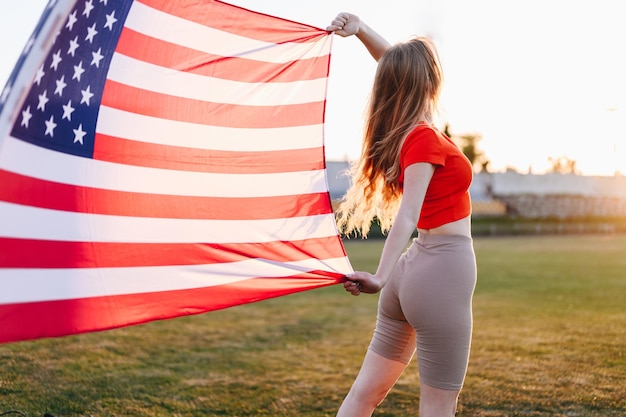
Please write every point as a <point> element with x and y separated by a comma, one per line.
<point>347,24</point>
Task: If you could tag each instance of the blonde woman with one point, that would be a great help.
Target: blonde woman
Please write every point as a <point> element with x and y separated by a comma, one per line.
<point>411,175</point>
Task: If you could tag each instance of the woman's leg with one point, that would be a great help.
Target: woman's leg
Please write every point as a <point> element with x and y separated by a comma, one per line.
<point>376,377</point>
<point>390,351</point>
<point>435,402</point>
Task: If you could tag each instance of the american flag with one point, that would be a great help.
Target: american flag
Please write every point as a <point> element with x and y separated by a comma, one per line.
<point>161,158</point>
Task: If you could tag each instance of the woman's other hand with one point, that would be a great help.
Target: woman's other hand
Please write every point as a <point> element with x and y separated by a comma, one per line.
<point>362,282</point>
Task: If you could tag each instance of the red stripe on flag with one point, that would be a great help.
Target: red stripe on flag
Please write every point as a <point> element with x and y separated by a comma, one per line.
<point>135,100</point>
<point>30,253</point>
<point>30,191</point>
<point>246,23</point>
<point>130,152</point>
<point>142,47</point>
<point>27,321</point>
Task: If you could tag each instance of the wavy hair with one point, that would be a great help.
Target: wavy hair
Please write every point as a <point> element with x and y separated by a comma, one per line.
<point>406,91</point>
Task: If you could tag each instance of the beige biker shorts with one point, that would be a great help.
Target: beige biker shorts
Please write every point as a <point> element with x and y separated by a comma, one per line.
<point>427,306</point>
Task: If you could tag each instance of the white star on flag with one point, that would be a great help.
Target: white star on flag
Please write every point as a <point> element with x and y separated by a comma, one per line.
<point>26,115</point>
<point>60,86</point>
<point>79,134</point>
<point>97,57</point>
<point>91,33</point>
<point>86,95</point>
<point>50,126</point>
<point>43,99</point>
<point>73,46</point>
<point>39,76</point>
<point>110,20</point>
<point>68,110</point>
<point>78,71</point>
<point>56,60</point>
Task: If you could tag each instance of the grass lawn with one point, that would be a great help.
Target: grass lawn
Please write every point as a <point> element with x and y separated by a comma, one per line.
<point>549,340</point>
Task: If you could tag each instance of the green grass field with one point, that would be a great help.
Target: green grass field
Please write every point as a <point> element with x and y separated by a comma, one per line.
<point>549,340</point>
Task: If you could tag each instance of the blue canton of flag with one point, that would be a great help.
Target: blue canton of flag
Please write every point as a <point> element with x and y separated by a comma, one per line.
<point>61,109</point>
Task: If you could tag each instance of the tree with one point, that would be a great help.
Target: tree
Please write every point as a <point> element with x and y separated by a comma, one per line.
<point>468,143</point>
<point>562,165</point>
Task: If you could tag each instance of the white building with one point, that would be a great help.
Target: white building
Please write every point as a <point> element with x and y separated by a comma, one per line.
<point>527,195</point>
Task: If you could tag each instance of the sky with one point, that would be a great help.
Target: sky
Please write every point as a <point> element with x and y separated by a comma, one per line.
<point>536,79</point>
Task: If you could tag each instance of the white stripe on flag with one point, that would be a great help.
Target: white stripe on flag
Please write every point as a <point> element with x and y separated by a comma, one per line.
<point>123,124</point>
<point>159,25</point>
<point>32,285</point>
<point>164,80</point>
<point>37,223</point>
<point>68,169</point>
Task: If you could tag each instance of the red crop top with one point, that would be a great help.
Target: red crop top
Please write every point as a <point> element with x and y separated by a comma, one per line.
<point>447,197</point>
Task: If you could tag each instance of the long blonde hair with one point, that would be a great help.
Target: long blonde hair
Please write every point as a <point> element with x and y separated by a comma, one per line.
<point>406,90</point>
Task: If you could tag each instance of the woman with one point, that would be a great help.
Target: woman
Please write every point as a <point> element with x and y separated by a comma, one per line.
<point>409,175</point>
